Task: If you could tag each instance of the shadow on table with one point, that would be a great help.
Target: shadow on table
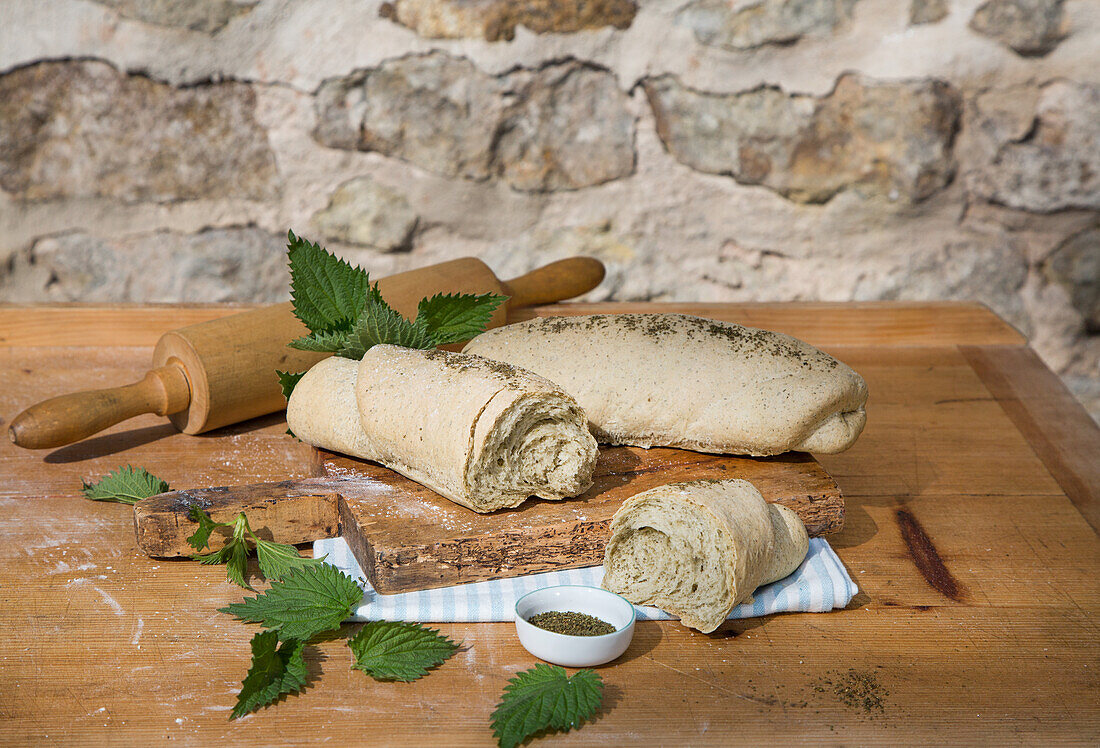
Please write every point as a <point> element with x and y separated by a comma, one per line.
<point>859,526</point>
<point>731,629</point>
<point>612,697</point>
<point>108,444</point>
<point>647,635</point>
<point>245,427</point>
<point>860,599</point>
<point>314,658</point>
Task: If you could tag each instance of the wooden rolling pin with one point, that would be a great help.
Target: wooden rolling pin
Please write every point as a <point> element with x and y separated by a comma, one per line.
<point>223,371</point>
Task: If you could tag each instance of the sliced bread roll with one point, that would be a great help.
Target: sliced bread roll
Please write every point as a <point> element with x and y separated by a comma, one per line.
<point>675,380</point>
<point>698,549</point>
<point>484,434</point>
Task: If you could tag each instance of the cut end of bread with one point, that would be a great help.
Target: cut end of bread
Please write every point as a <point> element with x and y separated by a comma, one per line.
<point>538,446</point>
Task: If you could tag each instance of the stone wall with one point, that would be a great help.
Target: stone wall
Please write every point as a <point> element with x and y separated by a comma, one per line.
<point>707,150</point>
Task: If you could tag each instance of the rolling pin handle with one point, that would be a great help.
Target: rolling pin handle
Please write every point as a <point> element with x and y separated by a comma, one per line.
<point>70,418</point>
<point>559,280</point>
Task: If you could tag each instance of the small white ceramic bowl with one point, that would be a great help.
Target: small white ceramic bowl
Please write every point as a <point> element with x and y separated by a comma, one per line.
<point>575,651</point>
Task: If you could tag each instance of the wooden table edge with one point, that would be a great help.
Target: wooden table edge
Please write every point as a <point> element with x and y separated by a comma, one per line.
<point>893,323</point>
<point>1062,434</point>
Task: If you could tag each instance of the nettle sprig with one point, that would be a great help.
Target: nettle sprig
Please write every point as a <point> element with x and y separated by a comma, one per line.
<point>275,559</point>
<point>307,599</point>
<point>346,314</point>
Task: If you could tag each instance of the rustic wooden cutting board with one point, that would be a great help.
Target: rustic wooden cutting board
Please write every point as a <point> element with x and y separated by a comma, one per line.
<point>406,537</point>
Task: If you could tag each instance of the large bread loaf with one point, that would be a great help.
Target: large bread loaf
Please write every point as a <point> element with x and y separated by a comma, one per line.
<point>484,434</point>
<point>698,549</point>
<point>680,381</point>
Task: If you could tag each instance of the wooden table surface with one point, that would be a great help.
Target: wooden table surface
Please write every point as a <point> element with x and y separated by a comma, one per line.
<point>973,507</point>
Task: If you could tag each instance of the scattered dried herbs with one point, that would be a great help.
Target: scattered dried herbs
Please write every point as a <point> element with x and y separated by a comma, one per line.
<point>858,690</point>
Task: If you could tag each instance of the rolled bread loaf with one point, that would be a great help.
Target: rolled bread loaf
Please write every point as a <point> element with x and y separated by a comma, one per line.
<point>674,380</point>
<point>484,434</point>
<point>698,549</point>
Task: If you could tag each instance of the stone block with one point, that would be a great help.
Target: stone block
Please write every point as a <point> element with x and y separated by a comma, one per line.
<point>494,20</point>
<point>891,139</point>
<point>232,264</point>
<point>363,212</point>
<point>721,23</point>
<point>927,11</point>
<point>83,129</point>
<point>1076,266</point>
<point>198,15</point>
<point>562,126</point>
<point>1040,151</point>
<point>1030,27</point>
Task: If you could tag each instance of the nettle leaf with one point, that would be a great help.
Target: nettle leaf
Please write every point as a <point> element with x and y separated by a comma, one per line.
<point>288,381</point>
<point>395,650</point>
<point>380,323</point>
<point>328,293</point>
<point>201,538</point>
<point>277,560</point>
<point>234,554</point>
<point>452,318</point>
<point>306,601</point>
<point>125,485</point>
<point>544,697</point>
<point>236,567</point>
<point>274,672</point>
<point>328,341</point>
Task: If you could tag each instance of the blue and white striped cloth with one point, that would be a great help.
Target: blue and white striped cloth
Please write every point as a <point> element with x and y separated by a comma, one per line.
<point>819,585</point>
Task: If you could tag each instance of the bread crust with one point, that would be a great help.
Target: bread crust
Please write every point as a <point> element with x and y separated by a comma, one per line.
<point>677,380</point>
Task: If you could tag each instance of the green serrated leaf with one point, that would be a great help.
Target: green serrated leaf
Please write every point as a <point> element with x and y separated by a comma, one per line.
<point>452,318</point>
<point>236,566</point>
<point>395,650</point>
<point>220,556</point>
<point>306,601</point>
<point>544,697</point>
<point>288,381</point>
<point>276,559</point>
<point>126,485</point>
<point>201,538</point>
<point>328,293</point>
<point>322,342</point>
<point>234,554</point>
<point>274,672</point>
<point>380,323</point>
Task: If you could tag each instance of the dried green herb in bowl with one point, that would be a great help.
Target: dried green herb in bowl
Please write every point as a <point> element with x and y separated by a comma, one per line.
<point>571,623</point>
